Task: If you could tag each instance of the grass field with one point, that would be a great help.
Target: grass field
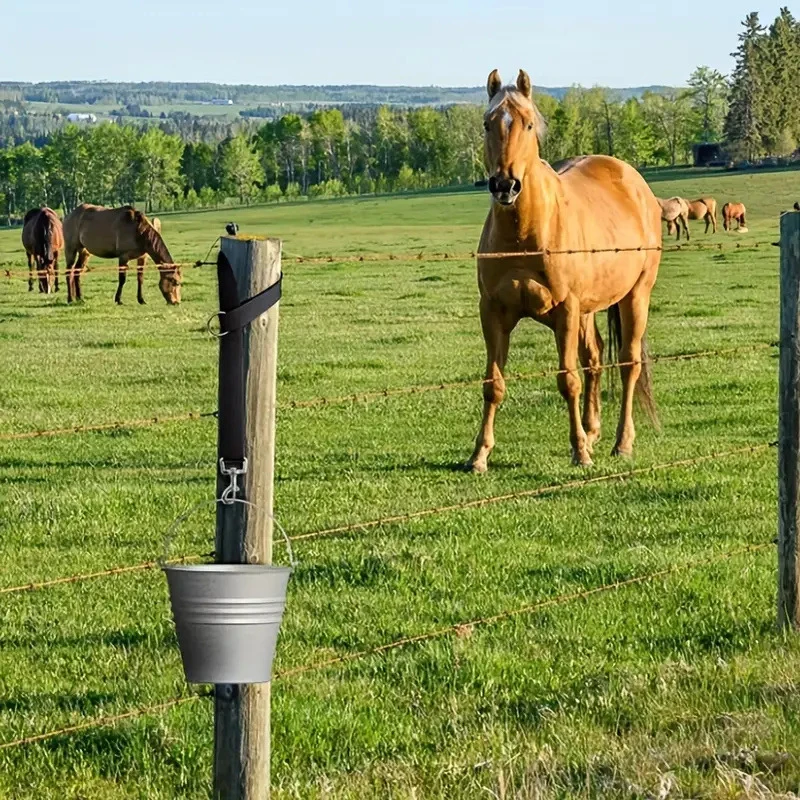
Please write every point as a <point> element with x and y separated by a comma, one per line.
<point>675,687</point>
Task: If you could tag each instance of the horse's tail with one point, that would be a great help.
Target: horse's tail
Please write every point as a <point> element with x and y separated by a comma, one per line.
<point>644,385</point>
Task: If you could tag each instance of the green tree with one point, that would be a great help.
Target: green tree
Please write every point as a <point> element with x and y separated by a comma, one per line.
<point>670,117</point>
<point>744,123</point>
<point>67,155</point>
<point>710,102</point>
<point>240,168</point>
<point>158,166</point>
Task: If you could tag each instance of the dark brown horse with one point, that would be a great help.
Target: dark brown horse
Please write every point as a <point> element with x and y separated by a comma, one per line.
<point>121,233</point>
<point>43,240</point>
<point>594,203</point>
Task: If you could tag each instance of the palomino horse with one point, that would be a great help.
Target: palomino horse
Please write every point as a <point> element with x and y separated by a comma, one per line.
<point>122,233</point>
<point>704,208</point>
<point>734,212</point>
<point>591,203</point>
<point>43,240</point>
<point>675,212</point>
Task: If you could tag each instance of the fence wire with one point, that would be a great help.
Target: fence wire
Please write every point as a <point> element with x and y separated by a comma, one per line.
<point>409,516</point>
<point>381,393</point>
<point>459,629</point>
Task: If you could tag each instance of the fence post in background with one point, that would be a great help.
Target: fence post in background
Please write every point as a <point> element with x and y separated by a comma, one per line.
<point>789,426</point>
<point>244,533</point>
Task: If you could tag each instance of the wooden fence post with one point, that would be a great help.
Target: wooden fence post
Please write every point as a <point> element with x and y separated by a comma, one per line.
<point>789,426</point>
<point>244,533</point>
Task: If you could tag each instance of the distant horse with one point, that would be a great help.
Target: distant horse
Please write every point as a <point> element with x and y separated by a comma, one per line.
<point>121,233</point>
<point>43,240</point>
<point>704,208</point>
<point>796,206</point>
<point>734,212</point>
<point>675,212</point>
<point>591,203</point>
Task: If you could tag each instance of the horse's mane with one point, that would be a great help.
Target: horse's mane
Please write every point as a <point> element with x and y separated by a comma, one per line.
<point>156,247</point>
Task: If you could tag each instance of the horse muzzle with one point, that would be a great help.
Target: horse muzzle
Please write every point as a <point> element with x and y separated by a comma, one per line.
<point>505,189</point>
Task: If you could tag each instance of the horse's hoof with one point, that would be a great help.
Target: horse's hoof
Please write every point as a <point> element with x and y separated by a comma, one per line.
<point>622,452</point>
<point>582,460</point>
<point>476,467</point>
<point>141,301</point>
<point>118,301</point>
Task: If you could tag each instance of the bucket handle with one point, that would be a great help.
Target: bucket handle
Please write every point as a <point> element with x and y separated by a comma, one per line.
<point>172,531</point>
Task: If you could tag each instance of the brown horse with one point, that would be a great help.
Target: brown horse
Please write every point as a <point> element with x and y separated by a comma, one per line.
<point>591,203</point>
<point>734,212</point>
<point>704,208</point>
<point>122,233</point>
<point>43,240</point>
<point>675,212</point>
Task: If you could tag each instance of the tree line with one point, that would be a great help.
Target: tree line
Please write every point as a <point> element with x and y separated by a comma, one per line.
<point>184,162</point>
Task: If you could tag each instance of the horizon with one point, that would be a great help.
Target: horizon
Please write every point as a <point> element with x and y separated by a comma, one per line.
<point>624,45</point>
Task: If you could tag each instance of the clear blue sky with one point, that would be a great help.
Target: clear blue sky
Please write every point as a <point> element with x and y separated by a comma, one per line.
<point>441,42</point>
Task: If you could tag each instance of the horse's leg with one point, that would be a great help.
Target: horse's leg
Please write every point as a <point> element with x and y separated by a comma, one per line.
<point>677,225</point>
<point>31,262</point>
<point>590,352</point>
<point>496,334</point>
<point>633,317</point>
<point>71,257</point>
<point>44,283</point>
<point>55,271</point>
<point>123,274</point>
<point>708,221</point>
<point>685,223</point>
<point>567,330</point>
<point>77,272</point>
<point>140,280</point>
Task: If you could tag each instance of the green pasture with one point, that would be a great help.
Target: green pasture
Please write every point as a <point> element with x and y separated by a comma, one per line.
<point>677,687</point>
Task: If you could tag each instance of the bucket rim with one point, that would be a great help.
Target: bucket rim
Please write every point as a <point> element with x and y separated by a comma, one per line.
<point>230,569</point>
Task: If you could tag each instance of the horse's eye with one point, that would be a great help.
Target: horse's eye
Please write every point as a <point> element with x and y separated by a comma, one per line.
<point>485,125</point>
<point>530,126</point>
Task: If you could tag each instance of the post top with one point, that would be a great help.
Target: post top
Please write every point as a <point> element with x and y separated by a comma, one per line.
<point>251,237</point>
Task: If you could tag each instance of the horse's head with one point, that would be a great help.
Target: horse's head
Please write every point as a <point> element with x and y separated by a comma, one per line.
<point>513,126</point>
<point>169,281</point>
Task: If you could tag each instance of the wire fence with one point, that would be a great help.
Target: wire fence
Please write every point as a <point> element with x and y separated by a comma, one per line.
<point>357,397</point>
<point>539,491</point>
<point>459,629</point>
<point>382,257</point>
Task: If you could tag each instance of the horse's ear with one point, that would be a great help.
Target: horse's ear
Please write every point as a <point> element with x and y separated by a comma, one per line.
<point>524,84</point>
<point>494,84</point>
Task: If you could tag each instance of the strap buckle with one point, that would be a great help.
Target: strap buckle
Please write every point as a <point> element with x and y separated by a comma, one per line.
<point>233,472</point>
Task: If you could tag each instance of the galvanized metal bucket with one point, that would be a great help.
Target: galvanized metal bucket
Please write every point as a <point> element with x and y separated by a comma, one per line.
<point>227,617</point>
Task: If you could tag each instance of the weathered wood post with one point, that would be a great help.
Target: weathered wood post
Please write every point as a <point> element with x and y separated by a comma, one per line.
<point>789,426</point>
<point>244,533</point>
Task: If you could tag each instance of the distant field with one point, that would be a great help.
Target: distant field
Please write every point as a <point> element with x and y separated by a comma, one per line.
<point>676,687</point>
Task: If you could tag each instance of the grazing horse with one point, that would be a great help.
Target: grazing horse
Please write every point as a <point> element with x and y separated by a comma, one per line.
<point>734,212</point>
<point>591,203</point>
<point>122,233</point>
<point>704,208</point>
<point>675,212</point>
<point>43,240</point>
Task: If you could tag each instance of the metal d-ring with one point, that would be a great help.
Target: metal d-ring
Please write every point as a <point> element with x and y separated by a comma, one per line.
<point>208,325</point>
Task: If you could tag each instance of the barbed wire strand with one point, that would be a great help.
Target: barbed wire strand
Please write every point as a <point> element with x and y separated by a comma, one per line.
<point>380,393</point>
<point>85,576</point>
<point>458,629</point>
<point>420,256</point>
<point>357,526</point>
<point>105,426</point>
<point>529,493</point>
<point>515,376</point>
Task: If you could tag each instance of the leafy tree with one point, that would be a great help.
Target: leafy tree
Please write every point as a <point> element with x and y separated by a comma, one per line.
<point>710,101</point>
<point>240,168</point>
<point>157,164</point>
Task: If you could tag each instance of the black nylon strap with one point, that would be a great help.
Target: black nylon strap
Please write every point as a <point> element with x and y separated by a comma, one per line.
<point>237,318</point>
<point>233,318</point>
<point>230,437</point>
